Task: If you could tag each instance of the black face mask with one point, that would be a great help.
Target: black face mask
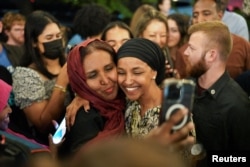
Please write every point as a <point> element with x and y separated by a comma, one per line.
<point>53,49</point>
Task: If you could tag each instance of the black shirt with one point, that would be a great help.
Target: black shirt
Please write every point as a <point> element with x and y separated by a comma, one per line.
<point>222,116</point>
<point>87,125</point>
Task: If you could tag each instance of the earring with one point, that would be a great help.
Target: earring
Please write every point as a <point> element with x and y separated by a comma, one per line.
<point>153,78</point>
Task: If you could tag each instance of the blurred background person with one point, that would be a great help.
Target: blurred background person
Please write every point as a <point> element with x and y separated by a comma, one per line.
<point>13,28</point>
<point>5,112</point>
<point>244,81</point>
<point>40,82</point>
<point>89,22</point>
<point>164,6</point>
<point>116,34</point>
<point>246,7</point>
<point>236,23</point>
<point>177,34</point>
<point>153,25</point>
<point>239,59</point>
<point>11,47</point>
<point>137,14</point>
<point>124,153</point>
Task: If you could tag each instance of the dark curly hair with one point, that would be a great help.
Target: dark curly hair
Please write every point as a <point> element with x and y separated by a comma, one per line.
<point>90,20</point>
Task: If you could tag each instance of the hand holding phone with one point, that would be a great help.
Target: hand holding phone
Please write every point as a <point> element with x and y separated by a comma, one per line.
<point>60,132</point>
<point>177,94</point>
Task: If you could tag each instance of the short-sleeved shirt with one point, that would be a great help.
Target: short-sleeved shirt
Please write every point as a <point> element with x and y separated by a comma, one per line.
<point>138,126</point>
<point>29,87</point>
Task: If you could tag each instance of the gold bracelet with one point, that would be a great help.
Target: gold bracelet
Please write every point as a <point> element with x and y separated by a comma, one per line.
<point>59,87</point>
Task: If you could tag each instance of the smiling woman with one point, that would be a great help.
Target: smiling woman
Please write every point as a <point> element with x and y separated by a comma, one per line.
<point>92,75</point>
<point>141,68</point>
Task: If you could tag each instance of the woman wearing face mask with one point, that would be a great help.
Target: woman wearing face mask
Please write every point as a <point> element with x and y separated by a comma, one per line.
<point>39,84</point>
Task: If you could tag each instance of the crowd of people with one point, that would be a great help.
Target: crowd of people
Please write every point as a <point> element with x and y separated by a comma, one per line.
<point>105,77</point>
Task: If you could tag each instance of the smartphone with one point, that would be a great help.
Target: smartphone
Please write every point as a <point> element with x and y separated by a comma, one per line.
<point>177,94</point>
<point>60,132</point>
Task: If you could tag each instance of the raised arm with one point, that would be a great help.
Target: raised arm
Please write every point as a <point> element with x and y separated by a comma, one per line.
<point>39,109</point>
<point>72,109</point>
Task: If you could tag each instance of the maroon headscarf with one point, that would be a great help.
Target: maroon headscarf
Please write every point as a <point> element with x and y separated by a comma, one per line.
<point>111,110</point>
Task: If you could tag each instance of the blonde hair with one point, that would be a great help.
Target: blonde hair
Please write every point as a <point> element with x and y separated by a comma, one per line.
<point>217,34</point>
<point>11,18</point>
<point>138,13</point>
<point>145,20</point>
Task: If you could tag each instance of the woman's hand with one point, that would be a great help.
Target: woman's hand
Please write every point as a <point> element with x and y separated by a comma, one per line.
<point>177,140</point>
<point>72,109</point>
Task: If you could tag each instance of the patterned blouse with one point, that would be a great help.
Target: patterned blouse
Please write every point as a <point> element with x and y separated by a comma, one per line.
<point>29,87</point>
<point>138,126</point>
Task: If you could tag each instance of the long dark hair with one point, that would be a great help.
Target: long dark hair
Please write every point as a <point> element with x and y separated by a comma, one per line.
<point>182,21</point>
<point>35,24</point>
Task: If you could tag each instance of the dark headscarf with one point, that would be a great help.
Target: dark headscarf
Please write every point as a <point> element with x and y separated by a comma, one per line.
<point>148,52</point>
<point>111,110</point>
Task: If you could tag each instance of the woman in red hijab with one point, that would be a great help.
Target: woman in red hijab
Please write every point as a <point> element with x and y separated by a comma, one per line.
<point>93,76</point>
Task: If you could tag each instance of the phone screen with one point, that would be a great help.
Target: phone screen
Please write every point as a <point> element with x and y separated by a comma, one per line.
<point>177,94</point>
<point>60,132</point>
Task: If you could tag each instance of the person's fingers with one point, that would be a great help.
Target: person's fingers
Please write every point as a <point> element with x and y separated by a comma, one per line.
<point>179,134</point>
<point>55,124</point>
<point>50,138</point>
<point>167,126</point>
<point>176,74</point>
<point>67,118</point>
<point>72,120</point>
<point>70,114</point>
<point>168,66</point>
<point>182,133</point>
<point>86,105</point>
<point>187,142</point>
<point>190,140</point>
<point>154,133</point>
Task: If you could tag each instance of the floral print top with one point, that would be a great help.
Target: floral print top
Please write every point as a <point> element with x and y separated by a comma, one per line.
<point>138,126</point>
<point>29,87</point>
